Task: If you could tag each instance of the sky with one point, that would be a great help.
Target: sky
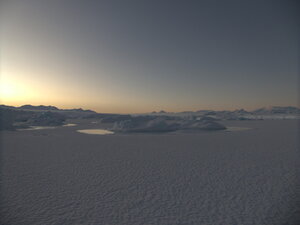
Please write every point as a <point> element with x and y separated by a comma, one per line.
<point>142,56</point>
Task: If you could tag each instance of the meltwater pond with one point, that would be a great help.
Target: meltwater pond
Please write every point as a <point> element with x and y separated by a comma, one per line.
<point>70,125</point>
<point>95,131</point>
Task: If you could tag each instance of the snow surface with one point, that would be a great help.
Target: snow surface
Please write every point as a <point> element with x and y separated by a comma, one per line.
<point>60,176</point>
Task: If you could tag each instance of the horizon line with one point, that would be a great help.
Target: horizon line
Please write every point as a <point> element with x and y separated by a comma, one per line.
<point>154,111</point>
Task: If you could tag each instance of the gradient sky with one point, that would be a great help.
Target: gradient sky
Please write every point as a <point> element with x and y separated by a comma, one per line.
<point>140,56</point>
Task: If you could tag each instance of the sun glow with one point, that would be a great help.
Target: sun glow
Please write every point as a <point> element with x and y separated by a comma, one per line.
<point>8,91</point>
<point>12,92</point>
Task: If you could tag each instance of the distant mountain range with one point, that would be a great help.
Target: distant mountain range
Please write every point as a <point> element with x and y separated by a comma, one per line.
<point>260,111</point>
<point>278,109</point>
<point>40,107</point>
<point>45,108</point>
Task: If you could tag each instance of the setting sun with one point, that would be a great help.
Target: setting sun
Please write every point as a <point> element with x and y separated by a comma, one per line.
<point>11,92</point>
<point>8,91</point>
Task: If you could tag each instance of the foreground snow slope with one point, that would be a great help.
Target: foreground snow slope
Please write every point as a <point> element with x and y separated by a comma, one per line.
<point>60,176</point>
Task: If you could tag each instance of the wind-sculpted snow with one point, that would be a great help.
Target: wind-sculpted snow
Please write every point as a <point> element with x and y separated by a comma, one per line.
<point>51,177</point>
<point>206,125</point>
<point>7,118</point>
<point>145,125</point>
<point>47,119</point>
<point>164,124</point>
<point>115,118</point>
